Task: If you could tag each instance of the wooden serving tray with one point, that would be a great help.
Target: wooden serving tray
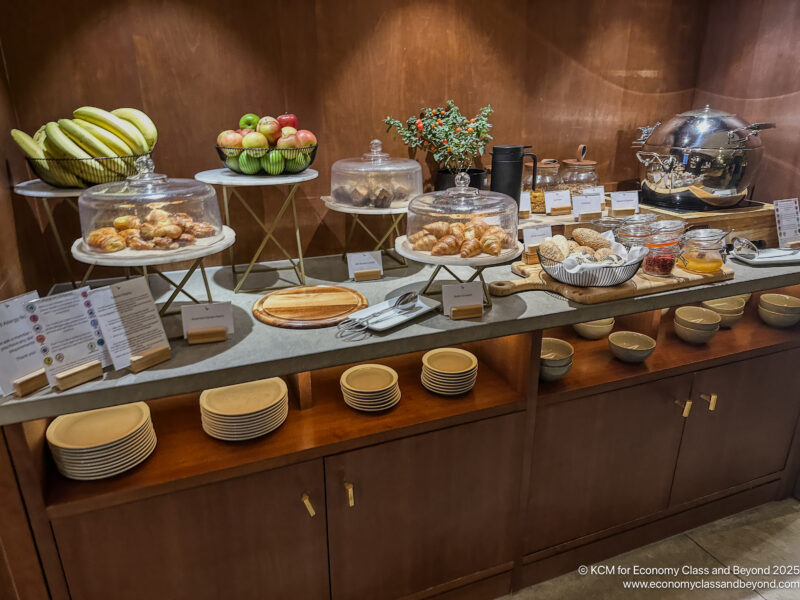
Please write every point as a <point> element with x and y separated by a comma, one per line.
<point>534,278</point>
<point>308,307</point>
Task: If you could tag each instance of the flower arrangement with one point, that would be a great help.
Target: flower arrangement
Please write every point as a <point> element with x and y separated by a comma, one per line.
<point>452,139</point>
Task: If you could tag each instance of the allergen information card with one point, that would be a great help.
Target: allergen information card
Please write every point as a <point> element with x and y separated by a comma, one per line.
<point>19,352</point>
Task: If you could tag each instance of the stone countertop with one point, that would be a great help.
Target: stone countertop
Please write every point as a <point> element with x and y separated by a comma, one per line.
<point>256,350</point>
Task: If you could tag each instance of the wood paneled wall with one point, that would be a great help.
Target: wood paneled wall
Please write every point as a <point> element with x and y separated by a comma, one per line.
<point>750,67</point>
<point>557,74</point>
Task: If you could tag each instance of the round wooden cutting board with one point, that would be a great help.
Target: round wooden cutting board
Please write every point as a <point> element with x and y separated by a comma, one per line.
<point>308,307</point>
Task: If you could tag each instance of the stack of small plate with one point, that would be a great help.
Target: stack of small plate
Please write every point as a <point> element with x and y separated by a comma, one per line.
<point>449,371</point>
<point>101,443</point>
<point>244,411</point>
<point>370,388</point>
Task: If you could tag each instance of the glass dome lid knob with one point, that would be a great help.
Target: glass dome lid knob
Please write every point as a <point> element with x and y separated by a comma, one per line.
<point>376,152</point>
<point>462,179</point>
<point>145,174</point>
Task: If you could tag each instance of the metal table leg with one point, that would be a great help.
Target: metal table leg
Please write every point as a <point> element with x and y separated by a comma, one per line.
<point>487,298</point>
<point>381,242</point>
<point>179,287</point>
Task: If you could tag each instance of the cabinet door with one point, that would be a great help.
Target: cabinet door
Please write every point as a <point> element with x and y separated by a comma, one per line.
<point>749,433</point>
<point>244,538</point>
<point>426,509</point>
<point>603,460</point>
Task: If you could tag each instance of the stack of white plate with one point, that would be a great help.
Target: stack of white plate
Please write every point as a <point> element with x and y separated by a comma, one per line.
<point>370,388</point>
<point>449,371</point>
<point>244,411</point>
<point>101,443</point>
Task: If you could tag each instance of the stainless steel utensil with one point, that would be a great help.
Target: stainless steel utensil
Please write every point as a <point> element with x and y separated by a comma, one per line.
<point>403,303</point>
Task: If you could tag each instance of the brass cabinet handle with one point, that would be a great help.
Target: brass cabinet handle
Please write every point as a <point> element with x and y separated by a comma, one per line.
<point>711,399</point>
<point>687,407</point>
<point>309,507</point>
<point>351,500</point>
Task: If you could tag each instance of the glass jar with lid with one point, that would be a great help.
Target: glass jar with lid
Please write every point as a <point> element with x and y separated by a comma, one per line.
<point>375,180</point>
<point>664,247</point>
<point>463,221</point>
<point>703,250</point>
<point>577,174</point>
<point>149,211</point>
<point>547,179</point>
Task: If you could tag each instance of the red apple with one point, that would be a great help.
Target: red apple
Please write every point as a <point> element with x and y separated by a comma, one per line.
<point>229,139</point>
<point>306,139</point>
<point>288,120</point>
<point>270,128</point>
<point>287,142</point>
<point>244,132</point>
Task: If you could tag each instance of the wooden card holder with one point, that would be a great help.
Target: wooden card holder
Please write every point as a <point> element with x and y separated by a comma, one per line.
<point>30,383</point>
<point>623,212</point>
<point>793,244</point>
<point>367,275</point>
<point>524,214</point>
<point>560,210</point>
<point>207,335</point>
<point>78,375</point>
<point>151,357</point>
<point>466,312</point>
<point>585,217</point>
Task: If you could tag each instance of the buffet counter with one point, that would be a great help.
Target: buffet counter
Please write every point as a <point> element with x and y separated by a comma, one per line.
<point>257,351</point>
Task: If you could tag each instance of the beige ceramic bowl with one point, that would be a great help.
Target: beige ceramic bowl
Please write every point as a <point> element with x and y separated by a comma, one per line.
<point>630,346</point>
<point>594,330</point>
<point>694,317</point>
<point>694,336</point>
<point>745,297</point>
<point>780,303</point>
<point>729,321</point>
<point>555,352</point>
<point>776,319</point>
<point>550,373</point>
<point>725,306</point>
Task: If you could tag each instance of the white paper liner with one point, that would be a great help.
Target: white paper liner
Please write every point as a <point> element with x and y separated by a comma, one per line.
<point>634,255</point>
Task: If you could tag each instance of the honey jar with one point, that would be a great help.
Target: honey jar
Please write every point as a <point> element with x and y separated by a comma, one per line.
<point>703,250</point>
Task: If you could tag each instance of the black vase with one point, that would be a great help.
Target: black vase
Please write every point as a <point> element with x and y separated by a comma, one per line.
<point>445,179</point>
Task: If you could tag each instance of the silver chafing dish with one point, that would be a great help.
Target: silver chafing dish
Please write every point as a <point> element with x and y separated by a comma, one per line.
<point>699,159</point>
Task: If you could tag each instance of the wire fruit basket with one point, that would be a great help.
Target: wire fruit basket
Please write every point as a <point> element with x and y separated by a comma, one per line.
<point>84,172</point>
<point>599,276</point>
<point>267,161</point>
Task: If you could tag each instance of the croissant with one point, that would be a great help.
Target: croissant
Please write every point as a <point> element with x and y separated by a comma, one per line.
<point>491,245</point>
<point>471,248</point>
<point>415,237</point>
<point>439,228</point>
<point>126,233</point>
<point>127,222</point>
<point>201,229</point>
<point>446,245</point>
<point>182,219</point>
<point>106,239</point>
<point>156,215</point>
<point>426,242</point>
<point>147,231</point>
<point>135,242</point>
<point>457,229</point>
<point>165,243</point>
<point>167,229</point>
<point>185,239</point>
<point>501,235</point>
<point>474,230</point>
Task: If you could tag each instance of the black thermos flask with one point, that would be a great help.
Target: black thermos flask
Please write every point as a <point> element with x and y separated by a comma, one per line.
<point>507,169</point>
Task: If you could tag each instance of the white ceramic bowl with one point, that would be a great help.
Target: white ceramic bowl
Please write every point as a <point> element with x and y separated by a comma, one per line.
<point>550,373</point>
<point>776,319</point>
<point>594,330</point>
<point>630,346</point>
<point>725,306</point>
<point>555,352</point>
<point>729,321</point>
<point>780,303</point>
<point>694,317</point>
<point>694,336</point>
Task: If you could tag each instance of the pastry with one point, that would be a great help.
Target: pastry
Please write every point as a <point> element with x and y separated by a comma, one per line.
<point>589,237</point>
<point>549,249</point>
<point>491,245</point>
<point>136,242</point>
<point>563,245</point>
<point>147,231</point>
<point>611,259</point>
<point>384,198</point>
<point>501,235</point>
<point>603,252</point>
<point>156,215</point>
<point>359,196</point>
<point>185,239</point>
<point>126,233</point>
<point>106,239</point>
<point>573,245</point>
<point>471,248</point>
<point>165,243</point>
<point>583,258</point>
<point>457,231</point>
<point>439,228</point>
<point>201,229</point>
<point>475,229</point>
<point>167,229</point>
<point>340,194</point>
<point>583,250</point>
<point>182,219</point>
<point>425,243</point>
<point>445,246</point>
<point>127,222</point>
<point>415,237</point>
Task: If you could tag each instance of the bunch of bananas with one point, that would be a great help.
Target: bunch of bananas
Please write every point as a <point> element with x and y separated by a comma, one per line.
<point>105,142</point>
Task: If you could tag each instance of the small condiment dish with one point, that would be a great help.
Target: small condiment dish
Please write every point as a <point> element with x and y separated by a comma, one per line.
<point>550,373</point>
<point>630,346</point>
<point>694,317</point>
<point>594,330</point>
<point>780,303</point>
<point>555,352</point>
<point>725,306</point>
<point>694,336</point>
<point>729,321</point>
<point>776,319</point>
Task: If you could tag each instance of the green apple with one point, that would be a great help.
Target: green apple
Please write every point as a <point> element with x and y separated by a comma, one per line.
<point>298,163</point>
<point>273,163</point>
<point>232,163</point>
<point>249,164</point>
<point>248,121</point>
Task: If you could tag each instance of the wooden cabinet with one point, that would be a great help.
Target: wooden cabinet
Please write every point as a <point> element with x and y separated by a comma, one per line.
<point>749,433</point>
<point>245,538</point>
<point>425,510</point>
<point>603,460</point>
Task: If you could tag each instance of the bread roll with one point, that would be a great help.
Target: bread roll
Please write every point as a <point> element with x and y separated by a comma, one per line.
<point>589,237</point>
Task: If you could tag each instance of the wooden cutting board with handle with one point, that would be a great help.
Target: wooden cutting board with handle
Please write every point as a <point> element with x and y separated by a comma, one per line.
<point>308,307</point>
<point>534,278</point>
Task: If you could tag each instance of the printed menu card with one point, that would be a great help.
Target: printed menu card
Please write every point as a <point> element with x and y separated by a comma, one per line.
<point>19,352</point>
